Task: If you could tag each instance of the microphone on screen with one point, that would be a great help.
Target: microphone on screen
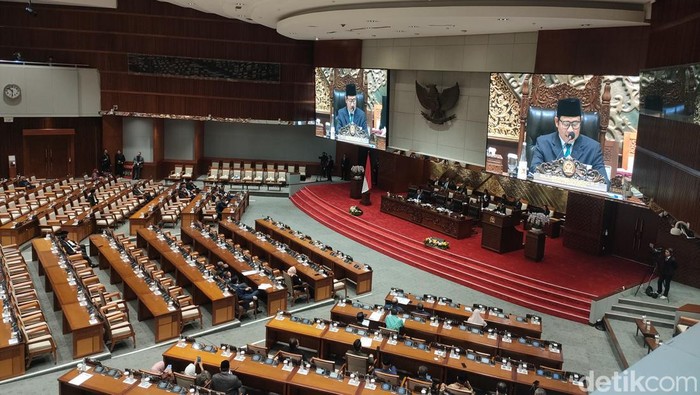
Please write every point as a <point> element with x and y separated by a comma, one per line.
<point>571,136</point>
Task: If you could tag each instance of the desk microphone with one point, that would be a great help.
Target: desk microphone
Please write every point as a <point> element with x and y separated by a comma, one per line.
<point>571,136</point>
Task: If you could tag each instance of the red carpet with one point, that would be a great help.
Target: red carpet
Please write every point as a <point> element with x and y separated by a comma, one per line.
<point>562,284</point>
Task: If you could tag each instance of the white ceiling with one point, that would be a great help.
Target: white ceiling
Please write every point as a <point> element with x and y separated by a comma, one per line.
<point>376,19</point>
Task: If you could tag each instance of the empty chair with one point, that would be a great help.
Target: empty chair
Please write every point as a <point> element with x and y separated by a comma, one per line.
<point>187,173</point>
<point>357,363</point>
<point>302,173</point>
<point>118,328</point>
<point>189,312</point>
<point>255,349</point>
<point>213,175</point>
<point>224,174</point>
<point>323,364</point>
<point>106,221</point>
<point>415,385</point>
<point>39,341</point>
<point>392,379</point>
<point>176,174</point>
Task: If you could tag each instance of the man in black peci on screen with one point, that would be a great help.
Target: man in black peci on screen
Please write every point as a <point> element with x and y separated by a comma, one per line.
<point>567,140</point>
<point>350,114</point>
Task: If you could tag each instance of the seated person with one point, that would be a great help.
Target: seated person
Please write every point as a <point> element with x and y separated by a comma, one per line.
<point>420,309</point>
<point>165,372</point>
<point>196,369</point>
<point>387,366</point>
<point>297,282</point>
<point>461,384</point>
<point>243,291</point>
<point>92,197</point>
<point>225,381</point>
<point>24,183</point>
<point>293,348</point>
<point>567,140</point>
<point>476,319</point>
<point>357,350</point>
<point>422,374</point>
<point>361,320</point>
<point>393,322</point>
<point>350,114</point>
<point>486,198</point>
<point>394,304</point>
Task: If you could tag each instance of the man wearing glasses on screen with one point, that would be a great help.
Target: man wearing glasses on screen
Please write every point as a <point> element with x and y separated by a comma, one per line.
<point>567,141</point>
<point>351,120</point>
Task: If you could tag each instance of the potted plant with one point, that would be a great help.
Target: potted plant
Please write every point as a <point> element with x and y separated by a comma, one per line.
<point>537,221</point>
<point>356,211</point>
<point>357,172</point>
<point>436,243</point>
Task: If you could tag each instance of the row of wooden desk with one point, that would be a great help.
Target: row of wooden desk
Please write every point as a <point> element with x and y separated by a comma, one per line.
<point>322,284</point>
<point>86,333</point>
<point>150,213</point>
<point>521,326</point>
<point>223,303</point>
<point>193,211</point>
<point>330,340</point>
<point>166,318</point>
<point>453,335</point>
<point>275,294</point>
<point>356,272</point>
<point>83,225</point>
<point>457,226</point>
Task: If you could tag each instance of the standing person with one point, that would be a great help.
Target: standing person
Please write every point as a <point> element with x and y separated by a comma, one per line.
<point>119,160</point>
<point>138,165</point>
<point>225,381</point>
<point>667,267</point>
<point>344,167</point>
<point>324,162</point>
<point>105,162</point>
<point>329,168</point>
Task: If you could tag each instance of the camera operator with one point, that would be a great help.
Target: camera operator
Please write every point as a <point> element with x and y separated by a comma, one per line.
<point>667,266</point>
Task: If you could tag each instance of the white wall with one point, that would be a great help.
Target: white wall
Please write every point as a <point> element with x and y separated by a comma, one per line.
<point>444,61</point>
<point>138,136</point>
<point>179,140</point>
<point>487,53</point>
<point>51,91</point>
<point>463,139</point>
<point>259,141</point>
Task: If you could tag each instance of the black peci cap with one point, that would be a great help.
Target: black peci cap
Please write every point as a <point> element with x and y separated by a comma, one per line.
<point>570,107</point>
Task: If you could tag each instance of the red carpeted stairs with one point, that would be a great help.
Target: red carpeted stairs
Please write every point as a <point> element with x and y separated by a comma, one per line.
<point>374,232</point>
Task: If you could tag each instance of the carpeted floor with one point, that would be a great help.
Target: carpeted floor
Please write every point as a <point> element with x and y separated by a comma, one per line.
<point>563,273</point>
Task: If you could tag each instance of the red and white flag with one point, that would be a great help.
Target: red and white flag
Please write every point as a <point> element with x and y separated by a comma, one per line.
<point>367,184</point>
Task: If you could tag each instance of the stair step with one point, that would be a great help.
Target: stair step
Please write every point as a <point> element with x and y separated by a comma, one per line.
<point>624,316</point>
<point>656,305</point>
<point>561,302</point>
<point>639,311</point>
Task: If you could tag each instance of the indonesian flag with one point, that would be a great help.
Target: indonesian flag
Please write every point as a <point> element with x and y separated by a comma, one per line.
<point>367,184</point>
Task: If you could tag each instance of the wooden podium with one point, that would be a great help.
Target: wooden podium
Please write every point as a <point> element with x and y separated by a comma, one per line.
<point>534,245</point>
<point>499,233</point>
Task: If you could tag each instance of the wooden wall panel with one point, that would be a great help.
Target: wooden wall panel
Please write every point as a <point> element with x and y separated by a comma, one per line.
<point>102,38</point>
<point>338,53</point>
<point>619,51</point>
<point>587,219</point>
<point>675,33</point>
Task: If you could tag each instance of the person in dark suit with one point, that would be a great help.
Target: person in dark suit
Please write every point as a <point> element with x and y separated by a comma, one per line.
<point>105,162</point>
<point>225,381</point>
<point>567,140</point>
<point>667,268</point>
<point>344,167</point>
<point>138,165</point>
<point>350,114</point>
<point>92,197</point>
<point>119,160</point>
<point>329,168</point>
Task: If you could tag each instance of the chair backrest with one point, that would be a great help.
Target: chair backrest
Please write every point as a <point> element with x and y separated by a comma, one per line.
<point>291,168</point>
<point>183,380</point>
<point>226,165</point>
<point>188,169</point>
<point>357,363</point>
<point>302,170</point>
<point>392,379</point>
<point>215,165</point>
<point>417,385</point>
<point>323,364</point>
<point>295,358</point>
<point>178,169</point>
<point>288,283</point>
<point>255,349</point>
<point>455,391</point>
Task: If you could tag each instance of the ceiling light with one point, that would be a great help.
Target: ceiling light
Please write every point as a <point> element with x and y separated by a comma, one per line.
<point>372,21</point>
<point>502,19</point>
<point>413,26</point>
<point>585,25</point>
<point>400,31</point>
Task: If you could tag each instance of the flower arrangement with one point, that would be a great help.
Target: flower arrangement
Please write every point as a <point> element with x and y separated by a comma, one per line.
<point>357,171</point>
<point>436,243</point>
<point>356,211</point>
<point>537,220</point>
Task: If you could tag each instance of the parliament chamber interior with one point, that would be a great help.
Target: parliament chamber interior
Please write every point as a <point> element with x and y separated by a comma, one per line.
<point>321,197</point>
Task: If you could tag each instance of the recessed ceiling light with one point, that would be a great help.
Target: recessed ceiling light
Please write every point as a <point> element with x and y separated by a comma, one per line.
<point>585,24</point>
<point>400,31</point>
<point>316,38</point>
<point>413,26</point>
<point>372,21</point>
<point>502,19</point>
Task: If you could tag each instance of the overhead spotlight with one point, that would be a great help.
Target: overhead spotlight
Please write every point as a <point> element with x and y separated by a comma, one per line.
<point>30,10</point>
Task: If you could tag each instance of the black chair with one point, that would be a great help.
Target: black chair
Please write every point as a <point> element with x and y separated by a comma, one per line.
<point>412,192</point>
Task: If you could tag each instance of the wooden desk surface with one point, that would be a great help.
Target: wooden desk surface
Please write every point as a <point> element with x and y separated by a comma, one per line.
<point>355,271</point>
<point>97,384</point>
<point>317,383</point>
<point>537,354</point>
<point>182,354</point>
<point>11,355</point>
